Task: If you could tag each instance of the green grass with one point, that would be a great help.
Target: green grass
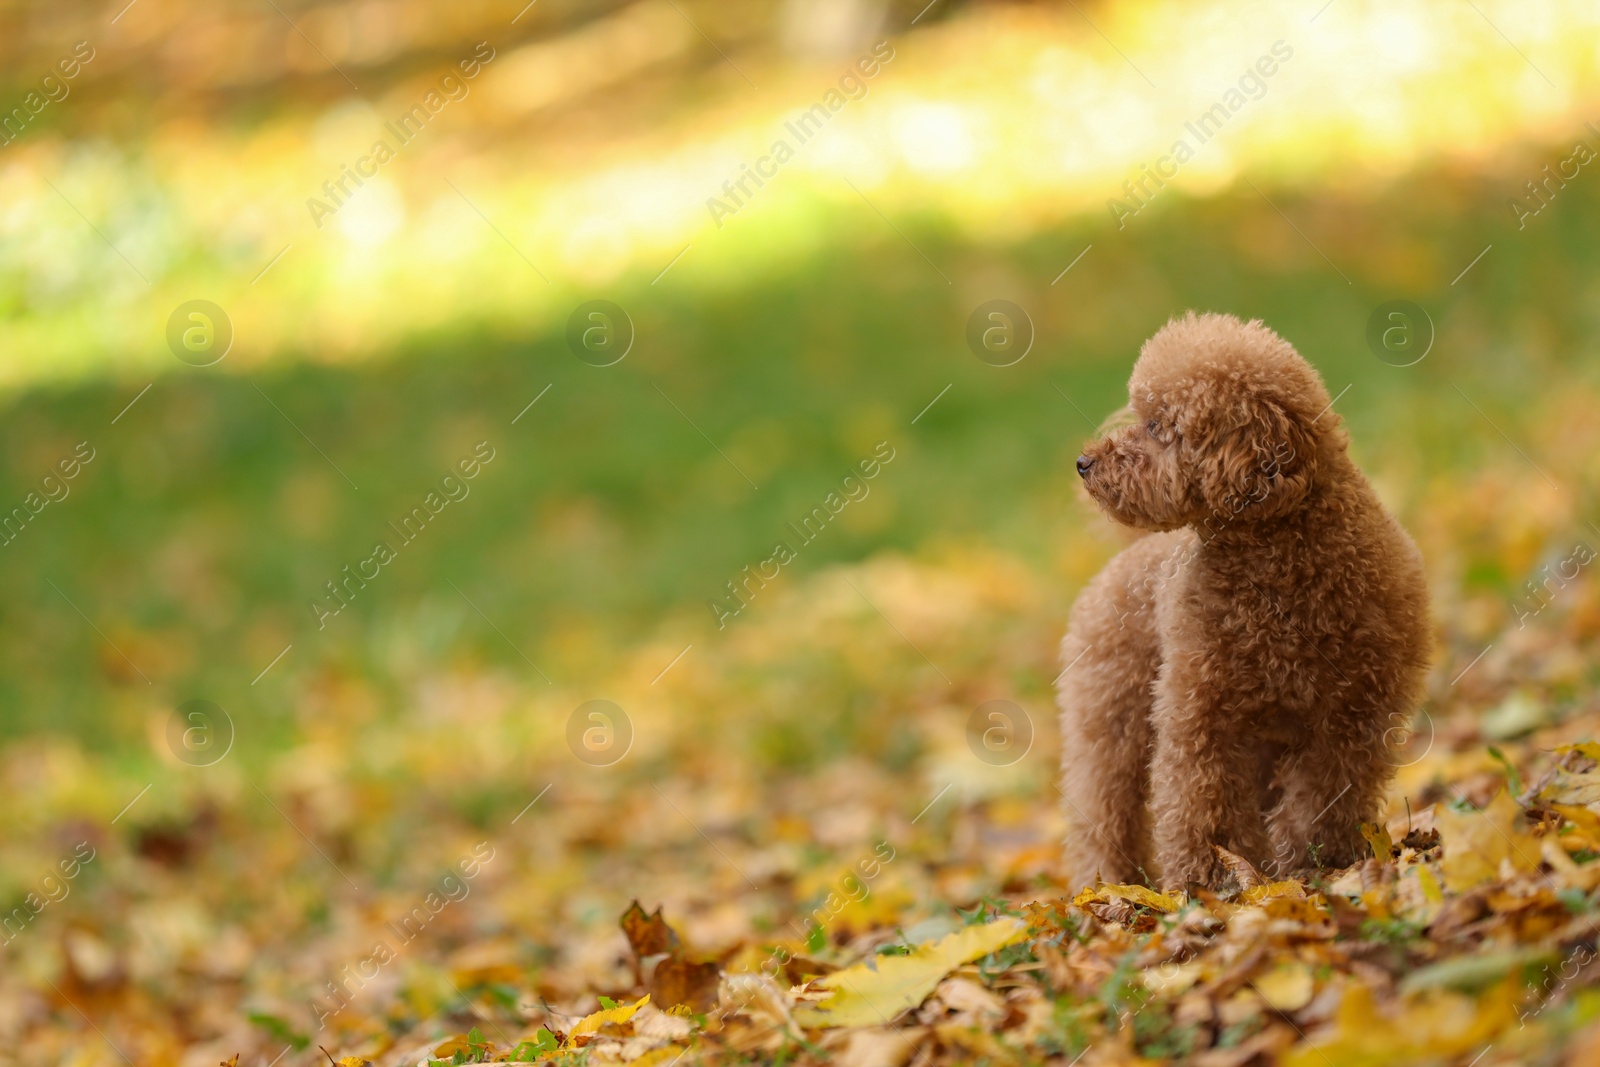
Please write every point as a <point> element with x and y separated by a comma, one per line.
<point>206,522</point>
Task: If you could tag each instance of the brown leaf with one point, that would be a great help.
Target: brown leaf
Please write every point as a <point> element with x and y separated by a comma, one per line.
<point>1048,918</point>
<point>1260,1048</point>
<point>1243,871</point>
<point>1123,913</point>
<point>799,969</point>
<point>677,981</point>
<point>1421,840</point>
<point>648,934</point>
<point>1457,914</point>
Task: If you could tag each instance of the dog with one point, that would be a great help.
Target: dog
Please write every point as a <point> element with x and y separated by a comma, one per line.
<point>1236,676</point>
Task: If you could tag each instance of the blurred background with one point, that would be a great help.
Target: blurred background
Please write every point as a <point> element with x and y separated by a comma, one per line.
<point>185,499</point>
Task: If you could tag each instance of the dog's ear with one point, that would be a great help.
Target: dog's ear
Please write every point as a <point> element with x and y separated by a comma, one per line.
<point>1259,468</point>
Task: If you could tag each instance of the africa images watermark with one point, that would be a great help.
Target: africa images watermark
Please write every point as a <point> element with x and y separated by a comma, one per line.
<point>412,523</point>
<point>53,488</point>
<point>852,86</point>
<point>54,890</point>
<point>1152,178</point>
<point>852,488</point>
<point>404,130</point>
<point>452,888</point>
<point>1542,191</point>
<point>52,89</point>
<point>1544,586</point>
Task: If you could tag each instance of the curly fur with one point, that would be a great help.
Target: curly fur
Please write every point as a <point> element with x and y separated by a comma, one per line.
<point>1234,677</point>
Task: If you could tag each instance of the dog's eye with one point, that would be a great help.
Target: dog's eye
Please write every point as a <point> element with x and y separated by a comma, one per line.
<point>1153,428</point>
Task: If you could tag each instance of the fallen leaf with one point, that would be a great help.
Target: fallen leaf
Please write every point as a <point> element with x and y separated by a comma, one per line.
<point>1476,841</point>
<point>1379,840</point>
<point>965,1003</point>
<point>660,1057</point>
<point>1243,871</point>
<point>1258,894</point>
<point>1437,1026</point>
<point>678,981</point>
<point>1142,896</point>
<point>1586,821</point>
<point>1575,788</point>
<point>1421,840</point>
<point>1430,885</point>
<point>755,995</point>
<point>1288,987</point>
<point>648,934</point>
<point>877,1047</point>
<point>591,1024</point>
<point>874,992</point>
<point>1589,749</point>
<point>1121,913</point>
<point>1121,904</point>
<point>1263,1047</point>
<point>799,969</point>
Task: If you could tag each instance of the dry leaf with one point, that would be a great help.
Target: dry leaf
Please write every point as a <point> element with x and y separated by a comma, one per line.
<point>676,980</point>
<point>1243,871</point>
<point>1258,894</point>
<point>1435,1026</point>
<point>1475,842</point>
<point>1126,905</point>
<point>648,934</point>
<point>1576,788</point>
<point>1288,987</point>
<point>967,1004</point>
<point>873,993</point>
<point>591,1024</point>
<point>877,1047</point>
<point>1378,839</point>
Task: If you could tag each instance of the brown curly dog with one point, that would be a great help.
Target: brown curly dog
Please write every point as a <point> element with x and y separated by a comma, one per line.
<point>1235,677</point>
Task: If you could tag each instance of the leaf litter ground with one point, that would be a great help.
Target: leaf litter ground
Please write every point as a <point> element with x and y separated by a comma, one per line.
<point>807,855</point>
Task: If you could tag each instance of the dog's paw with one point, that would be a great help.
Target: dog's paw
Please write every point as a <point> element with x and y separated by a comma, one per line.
<point>1201,869</point>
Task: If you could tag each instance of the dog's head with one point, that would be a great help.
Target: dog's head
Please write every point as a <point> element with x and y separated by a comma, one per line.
<point>1224,425</point>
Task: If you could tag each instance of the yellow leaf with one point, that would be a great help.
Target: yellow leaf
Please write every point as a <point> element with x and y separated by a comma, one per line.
<point>1435,1026</point>
<point>1287,987</point>
<point>1586,748</point>
<point>1133,894</point>
<point>1587,822</point>
<point>874,992</point>
<point>1378,837</point>
<point>1430,885</point>
<point>1172,979</point>
<point>1138,894</point>
<point>1476,841</point>
<point>591,1024</point>
<point>1570,788</point>
<point>1273,891</point>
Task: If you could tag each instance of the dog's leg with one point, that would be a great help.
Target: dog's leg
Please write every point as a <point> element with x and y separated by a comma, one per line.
<point>1204,777</point>
<point>1110,657</point>
<point>1331,784</point>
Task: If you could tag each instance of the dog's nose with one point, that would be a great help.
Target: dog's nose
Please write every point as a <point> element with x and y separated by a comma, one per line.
<point>1084,463</point>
